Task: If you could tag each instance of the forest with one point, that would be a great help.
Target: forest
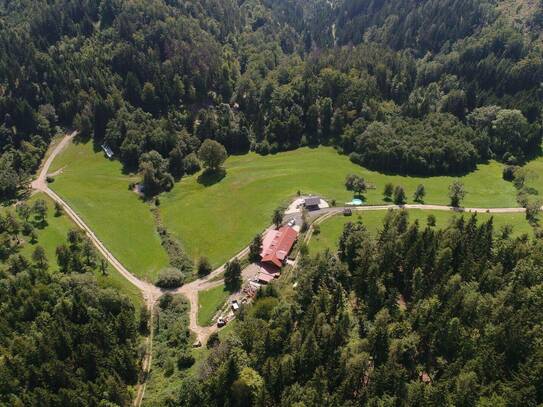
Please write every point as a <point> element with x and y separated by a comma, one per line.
<point>64,340</point>
<point>160,77</point>
<point>413,317</point>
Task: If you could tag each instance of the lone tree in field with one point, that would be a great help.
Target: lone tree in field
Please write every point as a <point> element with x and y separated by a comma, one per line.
<point>23,210</point>
<point>456,193</point>
<point>399,195</point>
<point>277,218</point>
<point>213,154</point>
<point>355,184</point>
<point>39,258</point>
<point>58,209</point>
<point>40,209</point>
<point>419,194</point>
<point>232,275</point>
<point>388,191</point>
<point>255,248</point>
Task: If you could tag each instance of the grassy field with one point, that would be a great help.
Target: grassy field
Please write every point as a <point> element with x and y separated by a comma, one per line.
<point>330,230</point>
<point>209,302</point>
<point>219,220</point>
<point>54,234</point>
<point>98,191</point>
<point>535,175</point>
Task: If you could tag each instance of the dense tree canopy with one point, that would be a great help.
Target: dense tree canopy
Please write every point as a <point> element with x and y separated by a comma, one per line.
<point>64,341</point>
<point>414,316</point>
<point>269,76</point>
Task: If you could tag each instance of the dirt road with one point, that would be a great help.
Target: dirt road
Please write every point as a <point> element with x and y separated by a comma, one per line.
<point>151,293</point>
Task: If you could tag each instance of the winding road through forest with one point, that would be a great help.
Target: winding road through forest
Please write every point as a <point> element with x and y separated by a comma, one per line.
<point>152,293</point>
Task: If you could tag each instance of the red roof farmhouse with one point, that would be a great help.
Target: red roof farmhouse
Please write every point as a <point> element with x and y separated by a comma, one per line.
<point>277,244</point>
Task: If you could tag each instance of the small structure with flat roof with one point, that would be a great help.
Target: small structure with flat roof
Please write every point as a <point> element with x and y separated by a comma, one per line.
<point>108,151</point>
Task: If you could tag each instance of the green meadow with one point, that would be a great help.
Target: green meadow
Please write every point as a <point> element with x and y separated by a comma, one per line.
<point>534,178</point>
<point>54,233</point>
<point>331,229</point>
<point>98,191</point>
<point>209,302</point>
<point>218,220</point>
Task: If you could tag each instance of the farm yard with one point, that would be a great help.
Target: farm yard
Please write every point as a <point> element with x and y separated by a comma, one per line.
<point>218,220</point>
<point>331,229</point>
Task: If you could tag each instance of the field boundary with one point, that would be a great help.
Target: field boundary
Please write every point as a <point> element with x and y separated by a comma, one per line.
<point>151,293</point>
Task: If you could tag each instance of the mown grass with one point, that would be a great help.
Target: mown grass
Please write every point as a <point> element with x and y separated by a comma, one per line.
<point>209,302</point>
<point>98,191</point>
<point>219,220</point>
<point>54,233</point>
<point>534,179</point>
<point>51,235</point>
<point>330,229</point>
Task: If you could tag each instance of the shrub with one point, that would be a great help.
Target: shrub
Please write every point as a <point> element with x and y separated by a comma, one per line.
<point>262,148</point>
<point>185,360</point>
<point>27,228</point>
<point>168,367</point>
<point>49,179</point>
<point>509,173</point>
<point>170,278</point>
<point>213,340</point>
<point>263,308</point>
<point>192,164</point>
<point>204,267</point>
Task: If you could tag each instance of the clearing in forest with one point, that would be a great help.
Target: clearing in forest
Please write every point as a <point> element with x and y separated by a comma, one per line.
<point>54,232</point>
<point>97,190</point>
<point>331,229</point>
<point>217,220</point>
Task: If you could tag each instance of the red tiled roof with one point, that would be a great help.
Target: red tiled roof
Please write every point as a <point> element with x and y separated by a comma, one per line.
<point>277,244</point>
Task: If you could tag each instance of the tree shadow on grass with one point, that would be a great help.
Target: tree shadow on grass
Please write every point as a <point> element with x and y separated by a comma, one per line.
<point>211,177</point>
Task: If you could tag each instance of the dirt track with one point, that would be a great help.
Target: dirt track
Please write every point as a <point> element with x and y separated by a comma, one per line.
<point>151,293</point>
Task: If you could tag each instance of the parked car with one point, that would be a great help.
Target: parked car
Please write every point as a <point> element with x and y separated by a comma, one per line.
<point>235,305</point>
<point>291,222</point>
<point>221,322</point>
